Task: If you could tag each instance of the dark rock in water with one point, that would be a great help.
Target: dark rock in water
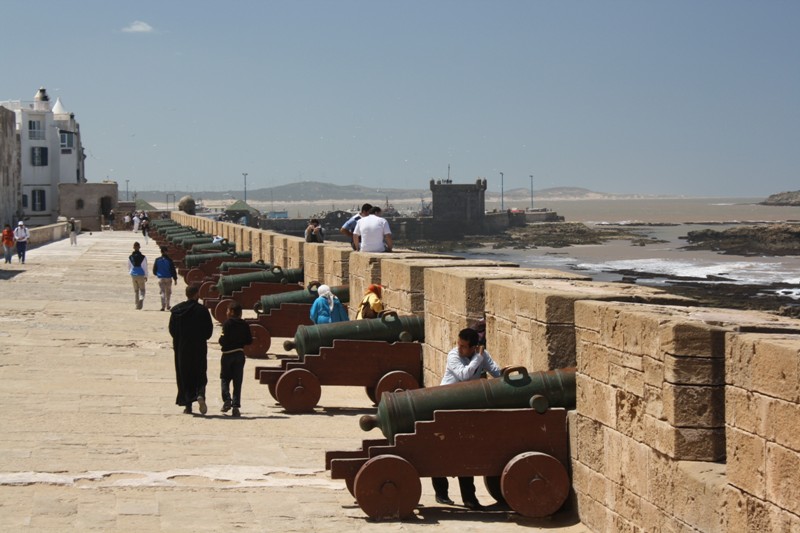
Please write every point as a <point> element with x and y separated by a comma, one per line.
<point>783,198</point>
<point>762,239</point>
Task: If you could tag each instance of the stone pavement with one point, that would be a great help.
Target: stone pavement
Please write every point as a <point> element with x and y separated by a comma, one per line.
<point>91,438</point>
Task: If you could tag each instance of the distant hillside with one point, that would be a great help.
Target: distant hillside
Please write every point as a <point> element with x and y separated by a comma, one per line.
<point>310,191</point>
<point>791,198</point>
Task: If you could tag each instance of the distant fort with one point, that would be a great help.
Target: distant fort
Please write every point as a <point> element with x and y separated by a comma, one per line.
<point>458,210</point>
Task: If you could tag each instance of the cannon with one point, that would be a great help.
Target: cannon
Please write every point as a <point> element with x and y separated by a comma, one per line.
<point>227,266</point>
<point>390,327</point>
<point>196,260</point>
<point>270,302</point>
<point>515,428</point>
<point>516,388</point>
<point>228,284</point>
<point>378,366</point>
<point>210,247</point>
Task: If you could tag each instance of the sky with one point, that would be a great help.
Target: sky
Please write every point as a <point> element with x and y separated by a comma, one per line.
<point>684,97</point>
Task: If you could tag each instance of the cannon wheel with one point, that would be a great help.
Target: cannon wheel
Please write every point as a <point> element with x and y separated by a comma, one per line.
<point>492,484</point>
<point>370,394</point>
<point>261,342</point>
<point>221,310</point>
<point>207,288</point>
<point>394,381</point>
<point>386,487</point>
<point>298,391</point>
<point>535,484</point>
<point>195,275</point>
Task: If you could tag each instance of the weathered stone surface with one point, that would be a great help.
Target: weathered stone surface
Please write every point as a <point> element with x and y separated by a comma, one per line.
<point>747,460</point>
<point>783,481</point>
<point>694,406</point>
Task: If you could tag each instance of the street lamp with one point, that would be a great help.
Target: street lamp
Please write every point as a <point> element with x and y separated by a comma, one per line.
<point>531,192</point>
<point>502,205</point>
<point>245,186</point>
<point>126,190</point>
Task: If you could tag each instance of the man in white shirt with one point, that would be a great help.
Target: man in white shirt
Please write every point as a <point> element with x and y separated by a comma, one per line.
<point>21,235</point>
<point>465,362</point>
<point>372,233</point>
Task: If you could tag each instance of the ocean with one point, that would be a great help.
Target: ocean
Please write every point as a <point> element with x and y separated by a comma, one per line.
<point>662,260</point>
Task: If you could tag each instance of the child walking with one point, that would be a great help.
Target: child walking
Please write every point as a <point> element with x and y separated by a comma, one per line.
<point>235,336</point>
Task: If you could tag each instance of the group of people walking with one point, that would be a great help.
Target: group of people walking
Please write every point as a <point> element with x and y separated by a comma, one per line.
<point>17,238</point>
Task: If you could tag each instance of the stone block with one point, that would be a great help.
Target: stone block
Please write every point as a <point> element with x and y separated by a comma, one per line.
<point>775,367</point>
<point>336,257</point>
<point>653,402</point>
<point>654,371</point>
<point>314,263</point>
<point>593,514</point>
<point>630,414</point>
<point>781,422</point>
<point>783,477</point>
<point>592,360</point>
<point>685,444</point>
<point>700,494</point>
<point>745,410</point>
<point>590,443</point>
<point>596,400</point>
<point>694,406</point>
<point>589,482</point>
<point>747,461</point>
<point>625,460</point>
<point>660,480</point>
<point>295,249</point>
<point>694,370</point>
<point>744,512</point>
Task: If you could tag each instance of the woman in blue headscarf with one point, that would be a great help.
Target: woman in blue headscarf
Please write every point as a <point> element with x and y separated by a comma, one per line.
<point>327,308</point>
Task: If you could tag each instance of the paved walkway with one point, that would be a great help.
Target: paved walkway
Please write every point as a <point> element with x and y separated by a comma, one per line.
<point>91,439</point>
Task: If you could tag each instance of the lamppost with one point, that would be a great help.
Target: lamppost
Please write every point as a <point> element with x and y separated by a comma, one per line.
<point>531,191</point>
<point>245,186</point>
<point>502,205</point>
<point>126,190</point>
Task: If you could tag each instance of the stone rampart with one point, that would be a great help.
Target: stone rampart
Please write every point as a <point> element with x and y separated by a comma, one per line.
<point>686,417</point>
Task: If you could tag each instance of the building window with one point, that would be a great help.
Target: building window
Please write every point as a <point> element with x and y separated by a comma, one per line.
<point>39,156</point>
<point>67,139</point>
<point>79,204</point>
<point>25,201</point>
<point>38,200</point>
<point>35,130</point>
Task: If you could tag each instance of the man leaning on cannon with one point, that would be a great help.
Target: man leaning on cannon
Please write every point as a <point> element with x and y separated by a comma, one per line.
<point>465,362</point>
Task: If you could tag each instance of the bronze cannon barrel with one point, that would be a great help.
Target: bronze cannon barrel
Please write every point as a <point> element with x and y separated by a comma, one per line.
<point>390,327</point>
<point>211,247</point>
<point>228,284</point>
<point>174,236</point>
<point>194,260</point>
<point>516,388</point>
<point>188,240</point>
<point>269,302</point>
<point>260,264</point>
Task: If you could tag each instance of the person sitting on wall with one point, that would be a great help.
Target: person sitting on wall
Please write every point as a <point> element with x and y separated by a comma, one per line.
<point>350,226</point>
<point>372,233</point>
<point>314,232</point>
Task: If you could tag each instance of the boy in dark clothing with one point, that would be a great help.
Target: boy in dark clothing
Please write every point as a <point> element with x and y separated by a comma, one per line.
<point>235,336</point>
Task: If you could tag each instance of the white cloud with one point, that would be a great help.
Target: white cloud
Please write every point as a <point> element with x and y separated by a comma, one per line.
<point>137,26</point>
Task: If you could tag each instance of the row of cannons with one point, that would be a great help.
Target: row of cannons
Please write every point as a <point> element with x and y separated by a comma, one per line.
<point>510,430</point>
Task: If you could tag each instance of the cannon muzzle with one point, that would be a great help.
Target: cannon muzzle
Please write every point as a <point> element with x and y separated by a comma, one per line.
<point>516,388</point>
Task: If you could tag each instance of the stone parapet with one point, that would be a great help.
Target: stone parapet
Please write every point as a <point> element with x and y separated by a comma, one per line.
<point>650,438</point>
<point>532,321</point>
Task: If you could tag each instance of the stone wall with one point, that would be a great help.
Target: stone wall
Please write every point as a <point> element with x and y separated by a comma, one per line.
<point>10,177</point>
<point>686,417</point>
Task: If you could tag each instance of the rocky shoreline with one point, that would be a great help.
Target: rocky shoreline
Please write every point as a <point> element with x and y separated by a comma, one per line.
<point>749,240</point>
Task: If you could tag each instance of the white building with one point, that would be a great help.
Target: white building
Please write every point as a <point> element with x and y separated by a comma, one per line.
<point>50,153</point>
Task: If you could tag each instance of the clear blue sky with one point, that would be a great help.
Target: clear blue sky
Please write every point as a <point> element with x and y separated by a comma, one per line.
<point>674,97</point>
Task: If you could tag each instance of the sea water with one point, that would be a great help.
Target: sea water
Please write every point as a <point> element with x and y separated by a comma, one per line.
<point>664,260</point>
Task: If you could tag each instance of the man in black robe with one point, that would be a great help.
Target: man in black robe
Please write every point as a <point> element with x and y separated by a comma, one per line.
<point>190,326</point>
